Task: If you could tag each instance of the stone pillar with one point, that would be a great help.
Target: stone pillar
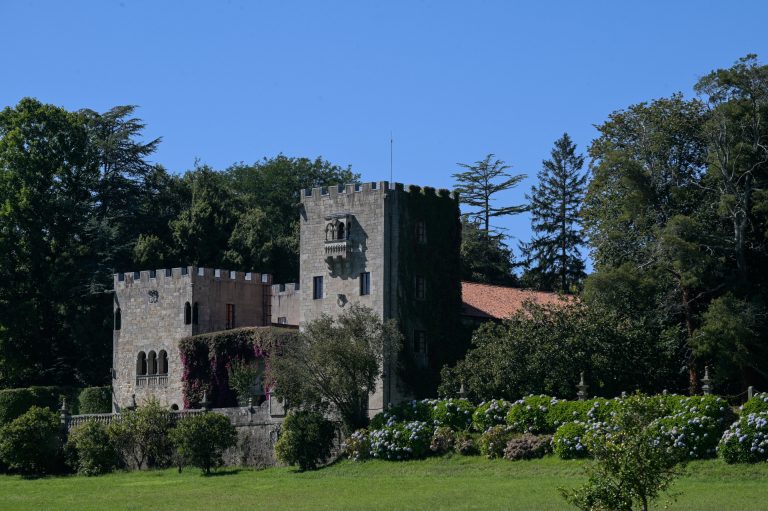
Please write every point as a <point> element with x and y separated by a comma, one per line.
<point>750,392</point>
<point>64,415</point>
<point>705,388</point>
<point>582,386</point>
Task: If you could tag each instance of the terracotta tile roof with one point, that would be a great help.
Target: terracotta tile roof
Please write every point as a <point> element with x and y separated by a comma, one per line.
<point>484,301</point>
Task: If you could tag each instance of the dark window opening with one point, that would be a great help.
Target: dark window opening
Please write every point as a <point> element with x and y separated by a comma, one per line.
<point>195,314</point>
<point>175,407</point>
<point>419,341</point>
<point>365,283</point>
<point>162,362</point>
<point>187,314</point>
<point>282,320</point>
<point>141,364</point>
<point>421,232</point>
<point>118,319</point>
<point>230,316</point>
<point>152,363</point>
<point>420,285</point>
<point>317,288</point>
<point>340,231</point>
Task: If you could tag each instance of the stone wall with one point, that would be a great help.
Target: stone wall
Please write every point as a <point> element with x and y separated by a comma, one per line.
<point>286,301</point>
<point>158,308</point>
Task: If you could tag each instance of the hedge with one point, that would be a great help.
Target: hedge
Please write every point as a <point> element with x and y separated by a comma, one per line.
<point>95,400</point>
<point>15,402</point>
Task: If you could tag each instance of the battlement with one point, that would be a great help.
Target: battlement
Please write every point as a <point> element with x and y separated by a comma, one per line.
<point>190,273</point>
<point>309,194</point>
<point>288,287</point>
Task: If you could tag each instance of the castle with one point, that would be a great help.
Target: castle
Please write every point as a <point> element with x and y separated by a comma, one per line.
<point>391,248</point>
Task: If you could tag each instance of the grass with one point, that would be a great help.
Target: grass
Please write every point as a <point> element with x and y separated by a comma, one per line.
<point>437,483</point>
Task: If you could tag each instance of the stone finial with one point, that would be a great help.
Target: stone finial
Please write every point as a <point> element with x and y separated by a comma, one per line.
<point>134,405</point>
<point>250,403</point>
<point>462,391</point>
<point>64,414</point>
<point>750,392</point>
<point>582,386</point>
<point>705,387</point>
<point>204,403</point>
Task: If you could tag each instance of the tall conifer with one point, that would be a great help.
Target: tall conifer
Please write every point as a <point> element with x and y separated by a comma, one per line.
<point>554,261</point>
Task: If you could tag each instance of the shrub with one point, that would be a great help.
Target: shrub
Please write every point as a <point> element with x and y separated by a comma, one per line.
<point>562,412</point>
<point>529,415</point>
<point>746,441</point>
<point>420,411</point>
<point>693,436</point>
<point>528,447</point>
<point>568,441</point>
<point>202,439</point>
<point>401,441</point>
<point>632,465</point>
<point>490,413</point>
<point>306,439</point>
<point>494,441</point>
<point>142,436</point>
<point>95,400</point>
<point>89,449</point>
<point>466,444</point>
<point>31,443</point>
<point>358,445</point>
<point>601,410</point>
<point>453,413</point>
<point>443,440</point>
<point>758,403</point>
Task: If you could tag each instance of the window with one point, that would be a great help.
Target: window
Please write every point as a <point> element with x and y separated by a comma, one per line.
<point>118,319</point>
<point>282,320</point>
<point>187,314</point>
<point>162,362</point>
<point>419,341</point>
<point>340,231</point>
<point>421,232</point>
<point>230,315</point>
<point>365,283</point>
<point>152,363</point>
<point>195,314</point>
<point>317,288</point>
<point>420,287</point>
<point>141,364</point>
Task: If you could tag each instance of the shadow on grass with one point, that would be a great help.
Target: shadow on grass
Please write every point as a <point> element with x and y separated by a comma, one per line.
<point>219,473</point>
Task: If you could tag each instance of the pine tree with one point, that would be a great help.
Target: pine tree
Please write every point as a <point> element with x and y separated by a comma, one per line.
<point>476,188</point>
<point>553,257</point>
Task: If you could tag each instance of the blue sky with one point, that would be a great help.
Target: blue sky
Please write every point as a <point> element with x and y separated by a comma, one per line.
<point>233,81</point>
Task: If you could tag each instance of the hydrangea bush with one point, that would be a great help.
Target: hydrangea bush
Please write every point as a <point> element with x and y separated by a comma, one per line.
<point>401,441</point>
<point>494,441</point>
<point>563,412</point>
<point>529,415</point>
<point>528,447</point>
<point>453,413</point>
<point>409,411</point>
<point>746,441</point>
<point>758,403</point>
<point>490,413</point>
<point>568,441</point>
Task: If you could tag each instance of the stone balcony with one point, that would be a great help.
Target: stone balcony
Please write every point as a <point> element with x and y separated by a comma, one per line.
<point>338,248</point>
<point>154,380</point>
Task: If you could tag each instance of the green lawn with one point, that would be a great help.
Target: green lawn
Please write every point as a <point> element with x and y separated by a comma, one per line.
<point>438,483</point>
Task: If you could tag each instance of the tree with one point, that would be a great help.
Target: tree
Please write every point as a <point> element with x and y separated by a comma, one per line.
<point>555,206</point>
<point>484,256</point>
<point>142,436</point>
<point>333,365</point>
<point>306,439</point>
<point>201,440</point>
<point>632,465</point>
<point>476,188</point>
<point>31,443</point>
<point>543,348</point>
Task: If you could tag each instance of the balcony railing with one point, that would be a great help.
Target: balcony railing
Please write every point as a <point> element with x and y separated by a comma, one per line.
<point>338,248</point>
<point>153,380</point>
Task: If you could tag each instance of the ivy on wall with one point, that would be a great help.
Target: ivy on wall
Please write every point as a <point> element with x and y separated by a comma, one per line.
<point>208,358</point>
<point>438,261</point>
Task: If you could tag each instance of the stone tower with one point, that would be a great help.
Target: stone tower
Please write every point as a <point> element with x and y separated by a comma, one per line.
<point>154,309</point>
<point>396,251</point>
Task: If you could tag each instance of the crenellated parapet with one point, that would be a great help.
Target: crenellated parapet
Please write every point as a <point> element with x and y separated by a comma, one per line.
<point>190,273</point>
<point>373,187</point>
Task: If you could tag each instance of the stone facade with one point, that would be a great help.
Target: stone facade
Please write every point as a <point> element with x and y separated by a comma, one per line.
<point>154,309</point>
<point>381,246</point>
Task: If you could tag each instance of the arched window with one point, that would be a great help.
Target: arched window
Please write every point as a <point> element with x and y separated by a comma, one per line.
<point>151,363</point>
<point>195,314</point>
<point>330,232</point>
<point>141,364</point>
<point>162,362</point>
<point>187,314</point>
<point>118,319</point>
<point>340,231</point>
